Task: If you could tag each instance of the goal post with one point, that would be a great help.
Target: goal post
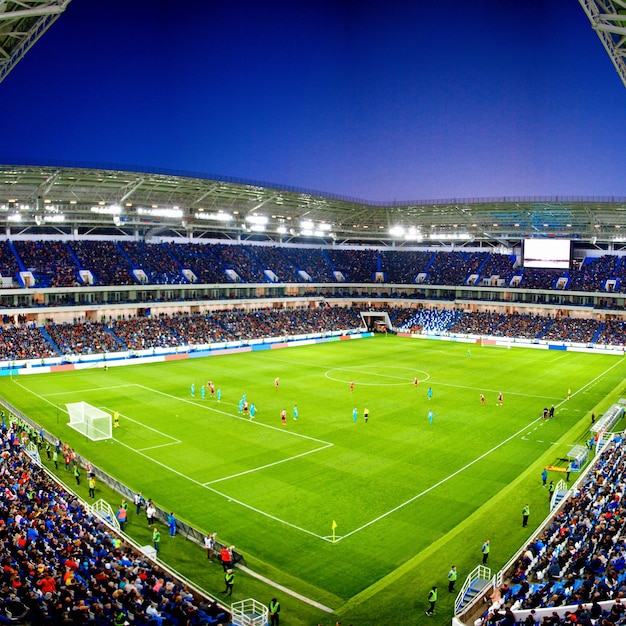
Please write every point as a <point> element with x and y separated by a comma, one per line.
<point>90,421</point>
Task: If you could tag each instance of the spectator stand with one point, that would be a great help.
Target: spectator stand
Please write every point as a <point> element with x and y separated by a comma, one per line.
<point>470,609</point>
<point>105,514</point>
<point>102,508</point>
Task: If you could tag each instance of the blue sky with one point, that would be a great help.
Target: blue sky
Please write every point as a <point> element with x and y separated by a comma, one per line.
<point>383,101</point>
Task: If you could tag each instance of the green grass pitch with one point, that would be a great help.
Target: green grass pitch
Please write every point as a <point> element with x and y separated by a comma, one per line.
<point>409,497</point>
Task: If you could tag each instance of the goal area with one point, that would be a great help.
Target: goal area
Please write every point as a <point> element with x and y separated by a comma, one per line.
<point>90,421</point>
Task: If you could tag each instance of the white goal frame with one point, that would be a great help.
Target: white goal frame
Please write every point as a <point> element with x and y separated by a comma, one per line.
<point>90,421</point>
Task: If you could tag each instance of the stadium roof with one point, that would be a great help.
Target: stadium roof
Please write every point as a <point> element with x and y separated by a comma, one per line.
<point>22,22</point>
<point>109,200</point>
<point>608,19</point>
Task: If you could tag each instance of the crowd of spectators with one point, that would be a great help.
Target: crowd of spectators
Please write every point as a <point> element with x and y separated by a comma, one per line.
<point>27,341</point>
<point>313,261</point>
<point>271,258</point>
<point>403,267</point>
<point>197,258</point>
<point>57,264</point>
<point>593,274</point>
<point>525,326</point>
<point>574,329</point>
<point>82,338</point>
<point>613,332</point>
<point>62,565</point>
<point>540,279</point>
<point>238,259</point>
<point>104,260</point>
<point>500,265</point>
<point>157,263</point>
<point>357,266</point>
<point>478,322</point>
<point>579,558</point>
<point>24,342</point>
<point>8,263</point>
<point>50,262</point>
<point>454,268</point>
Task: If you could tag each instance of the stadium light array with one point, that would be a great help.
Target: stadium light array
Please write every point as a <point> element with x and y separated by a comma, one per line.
<point>156,212</point>
<point>450,236</point>
<point>113,209</point>
<point>220,216</point>
<point>259,220</point>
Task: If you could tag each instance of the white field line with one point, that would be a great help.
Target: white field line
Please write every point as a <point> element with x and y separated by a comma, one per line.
<point>262,467</point>
<point>163,445</point>
<point>239,417</point>
<point>367,524</point>
<point>78,391</point>
<point>154,430</point>
<point>192,480</point>
<point>468,465</point>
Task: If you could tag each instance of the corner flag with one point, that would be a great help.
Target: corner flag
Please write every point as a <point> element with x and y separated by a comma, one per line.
<point>333,526</point>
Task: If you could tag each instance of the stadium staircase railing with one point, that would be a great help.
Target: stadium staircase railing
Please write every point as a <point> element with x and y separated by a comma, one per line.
<point>475,583</point>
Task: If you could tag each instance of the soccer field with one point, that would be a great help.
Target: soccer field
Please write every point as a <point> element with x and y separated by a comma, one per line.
<point>409,497</point>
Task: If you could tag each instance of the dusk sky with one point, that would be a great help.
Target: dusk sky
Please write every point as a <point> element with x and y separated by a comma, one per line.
<point>382,101</point>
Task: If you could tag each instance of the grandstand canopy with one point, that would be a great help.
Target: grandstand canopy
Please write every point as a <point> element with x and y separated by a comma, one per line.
<point>608,19</point>
<point>22,22</point>
<point>39,199</point>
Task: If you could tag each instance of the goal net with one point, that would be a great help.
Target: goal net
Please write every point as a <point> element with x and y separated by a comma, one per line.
<point>90,421</point>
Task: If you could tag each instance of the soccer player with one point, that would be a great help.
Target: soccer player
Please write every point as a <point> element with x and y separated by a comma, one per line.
<point>240,409</point>
<point>116,419</point>
<point>355,414</point>
<point>569,393</point>
<point>276,380</point>
<point>429,393</point>
<point>500,399</point>
<point>202,392</point>
<point>193,390</point>
<point>351,386</point>
<point>430,417</point>
<point>416,382</point>
<point>482,398</point>
<point>283,417</point>
<point>246,408</point>
<point>219,395</point>
<point>551,414</point>
<point>252,411</point>
<point>295,411</point>
<point>366,414</point>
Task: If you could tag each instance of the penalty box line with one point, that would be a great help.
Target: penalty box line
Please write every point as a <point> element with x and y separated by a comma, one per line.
<point>173,442</point>
<point>262,467</point>
<point>325,444</point>
<point>192,480</point>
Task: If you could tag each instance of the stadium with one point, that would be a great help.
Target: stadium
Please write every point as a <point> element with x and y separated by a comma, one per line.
<point>232,401</point>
